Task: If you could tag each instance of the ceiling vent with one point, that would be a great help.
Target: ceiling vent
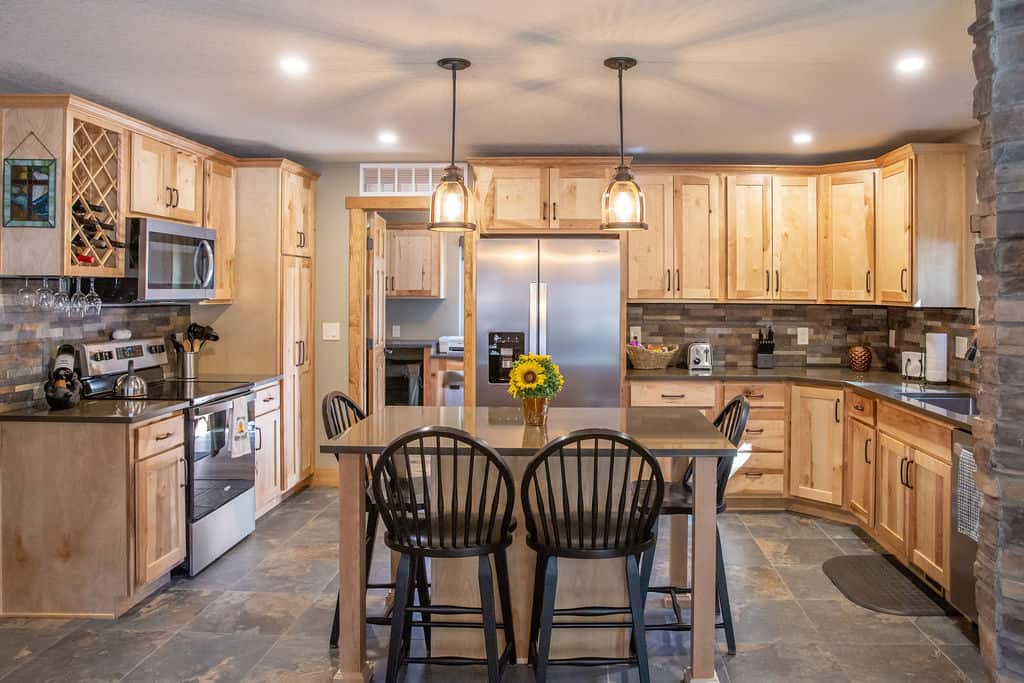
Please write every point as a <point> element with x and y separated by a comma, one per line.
<point>401,180</point>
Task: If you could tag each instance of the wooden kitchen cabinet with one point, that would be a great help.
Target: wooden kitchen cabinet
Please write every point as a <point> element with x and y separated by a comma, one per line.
<point>847,226</point>
<point>699,244</point>
<point>929,481</point>
<point>512,197</point>
<point>576,193</point>
<point>794,238</point>
<point>297,291</point>
<point>683,393</point>
<point>165,181</point>
<point>268,460</point>
<point>160,482</point>
<point>219,213</point>
<point>816,457</point>
<point>891,501</point>
<point>298,220</point>
<point>415,263</point>
<point>861,446</point>
<point>748,216</point>
<point>895,239</point>
<point>651,265</point>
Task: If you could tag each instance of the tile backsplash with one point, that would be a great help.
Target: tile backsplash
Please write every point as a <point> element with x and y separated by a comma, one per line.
<point>29,338</point>
<point>832,329</point>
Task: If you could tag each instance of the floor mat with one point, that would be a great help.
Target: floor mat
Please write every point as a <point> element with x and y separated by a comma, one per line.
<point>878,583</point>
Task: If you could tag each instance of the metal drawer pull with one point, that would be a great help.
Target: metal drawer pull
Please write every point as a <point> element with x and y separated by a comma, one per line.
<point>753,396</point>
<point>867,446</point>
<point>910,484</point>
<point>165,435</point>
<point>751,430</point>
<point>753,475</point>
<point>858,406</point>
<point>903,285</point>
<point>837,412</point>
<point>268,399</point>
<point>673,395</point>
<point>903,480</point>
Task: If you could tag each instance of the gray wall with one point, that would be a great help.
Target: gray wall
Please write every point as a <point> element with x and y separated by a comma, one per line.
<point>428,319</point>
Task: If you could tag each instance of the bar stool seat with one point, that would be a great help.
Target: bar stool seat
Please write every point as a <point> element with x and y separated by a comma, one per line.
<point>459,529</point>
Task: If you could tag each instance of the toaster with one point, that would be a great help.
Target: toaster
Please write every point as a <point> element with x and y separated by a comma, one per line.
<point>698,356</point>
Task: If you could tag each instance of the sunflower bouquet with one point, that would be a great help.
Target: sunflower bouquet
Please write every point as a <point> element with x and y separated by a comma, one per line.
<point>534,379</point>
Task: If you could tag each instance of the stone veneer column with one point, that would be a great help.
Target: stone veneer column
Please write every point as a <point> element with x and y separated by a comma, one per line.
<point>999,106</point>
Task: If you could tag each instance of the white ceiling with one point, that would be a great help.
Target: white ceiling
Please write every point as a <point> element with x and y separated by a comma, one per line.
<point>716,80</point>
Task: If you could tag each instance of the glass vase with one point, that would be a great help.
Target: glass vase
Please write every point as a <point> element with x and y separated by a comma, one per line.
<point>535,411</point>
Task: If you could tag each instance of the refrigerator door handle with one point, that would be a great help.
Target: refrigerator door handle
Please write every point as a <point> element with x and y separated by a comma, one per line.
<point>531,342</point>
<point>542,331</point>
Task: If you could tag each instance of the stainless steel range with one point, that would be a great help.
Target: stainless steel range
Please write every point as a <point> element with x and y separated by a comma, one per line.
<point>219,440</point>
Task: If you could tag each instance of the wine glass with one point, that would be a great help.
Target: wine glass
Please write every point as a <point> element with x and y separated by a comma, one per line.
<point>44,297</point>
<point>60,297</point>
<point>76,306</point>
<point>26,296</point>
<point>93,302</point>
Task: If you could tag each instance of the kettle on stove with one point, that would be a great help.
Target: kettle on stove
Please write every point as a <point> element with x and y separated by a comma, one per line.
<point>130,385</point>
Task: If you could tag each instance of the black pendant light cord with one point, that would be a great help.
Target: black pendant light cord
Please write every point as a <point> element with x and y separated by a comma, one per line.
<point>453,116</point>
<point>622,137</point>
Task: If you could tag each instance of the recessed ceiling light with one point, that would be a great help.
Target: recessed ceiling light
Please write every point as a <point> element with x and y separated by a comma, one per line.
<point>911,64</point>
<point>802,137</point>
<point>387,137</point>
<point>293,65</point>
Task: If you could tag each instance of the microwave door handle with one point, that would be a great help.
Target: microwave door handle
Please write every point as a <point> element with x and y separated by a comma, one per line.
<point>196,269</point>
<point>207,282</point>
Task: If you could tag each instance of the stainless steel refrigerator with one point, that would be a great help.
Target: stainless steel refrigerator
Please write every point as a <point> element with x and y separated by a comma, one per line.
<point>558,296</point>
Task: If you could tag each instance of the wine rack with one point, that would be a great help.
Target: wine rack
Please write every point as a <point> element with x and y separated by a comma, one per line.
<point>96,224</point>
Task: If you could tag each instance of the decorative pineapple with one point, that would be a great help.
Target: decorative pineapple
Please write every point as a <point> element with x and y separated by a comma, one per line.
<point>860,357</point>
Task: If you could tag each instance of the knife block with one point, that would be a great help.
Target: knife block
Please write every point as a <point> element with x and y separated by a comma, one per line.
<point>765,361</point>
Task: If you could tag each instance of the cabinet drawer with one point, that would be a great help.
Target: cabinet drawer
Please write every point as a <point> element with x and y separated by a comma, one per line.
<point>268,398</point>
<point>755,484</point>
<point>765,435</point>
<point>674,393</point>
<point>157,437</point>
<point>764,395</point>
<point>774,463</point>
<point>860,407</point>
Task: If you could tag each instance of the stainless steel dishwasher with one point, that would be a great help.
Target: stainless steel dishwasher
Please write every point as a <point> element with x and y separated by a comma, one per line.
<point>966,507</point>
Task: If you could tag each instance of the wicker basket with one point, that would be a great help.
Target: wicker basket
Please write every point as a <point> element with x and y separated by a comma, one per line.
<point>643,358</point>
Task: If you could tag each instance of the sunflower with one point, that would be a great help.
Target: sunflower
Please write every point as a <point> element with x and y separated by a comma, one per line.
<point>529,374</point>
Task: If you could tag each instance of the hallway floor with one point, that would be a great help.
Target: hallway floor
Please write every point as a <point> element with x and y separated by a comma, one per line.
<point>263,613</point>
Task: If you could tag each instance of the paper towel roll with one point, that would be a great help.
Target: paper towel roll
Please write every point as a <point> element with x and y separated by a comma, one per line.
<point>936,358</point>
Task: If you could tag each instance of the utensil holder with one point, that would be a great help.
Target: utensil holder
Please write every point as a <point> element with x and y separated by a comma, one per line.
<point>188,363</point>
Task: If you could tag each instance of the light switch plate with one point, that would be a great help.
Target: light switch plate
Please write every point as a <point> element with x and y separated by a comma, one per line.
<point>961,347</point>
<point>634,333</point>
<point>396,331</point>
<point>892,339</point>
<point>802,336</point>
<point>331,331</point>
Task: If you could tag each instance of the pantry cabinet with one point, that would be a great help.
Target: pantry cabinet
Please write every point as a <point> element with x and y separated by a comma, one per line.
<point>165,181</point>
<point>297,386</point>
<point>816,457</point>
<point>219,214</point>
<point>847,227</point>
<point>415,263</point>
<point>749,236</point>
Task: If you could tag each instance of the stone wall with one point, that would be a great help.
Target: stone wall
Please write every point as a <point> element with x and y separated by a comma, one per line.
<point>29,338</point>
<point>998,34</point>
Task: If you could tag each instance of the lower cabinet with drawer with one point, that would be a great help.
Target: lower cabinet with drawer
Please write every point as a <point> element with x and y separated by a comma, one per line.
<point>268,448</point>
<point>160,482</point>
<point>682,393</point>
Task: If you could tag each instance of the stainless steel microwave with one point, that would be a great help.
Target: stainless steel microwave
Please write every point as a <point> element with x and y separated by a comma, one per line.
<point>166,261</point>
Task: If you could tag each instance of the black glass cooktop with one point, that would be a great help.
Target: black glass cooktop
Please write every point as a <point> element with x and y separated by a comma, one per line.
<point>196,391</point>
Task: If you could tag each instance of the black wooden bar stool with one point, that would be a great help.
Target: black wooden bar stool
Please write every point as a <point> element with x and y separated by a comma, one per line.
<point>592,494</point>
<point>340,412</point>
<point>732,422</point>
<point>459,504</point>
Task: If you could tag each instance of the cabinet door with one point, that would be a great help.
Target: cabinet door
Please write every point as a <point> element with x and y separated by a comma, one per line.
<point>268,464</point>
<point>306,381</point>
<point>291,430</point>
<point>576,193</point>
<point>187,181</point>
<point>159,514</point>
<point>816,454</point>
<point>513,197</point>
<point>891,494</point>
<point>296,316</point>
<point>847,223</point>
<point>296,214</point>
<point>930,485</point>
<point>860,462</point>
<point>895,239</point>
<point>219,214</point>
<point>795,238</point>
<point>415,263</point>
<point>150,183</point>
<point>651,264</point>
<point>748,224</point>
<point>699,240</point>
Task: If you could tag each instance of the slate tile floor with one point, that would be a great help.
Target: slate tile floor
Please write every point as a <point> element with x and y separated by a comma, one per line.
<point>263,613</point>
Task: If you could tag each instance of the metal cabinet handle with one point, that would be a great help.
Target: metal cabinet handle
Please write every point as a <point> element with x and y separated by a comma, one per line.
<point>679,282</point>
<point>268,399</point>
<point>298,353</point>
<point>767,281</point>
<point>544,211</point>
<point>753,397</point>
<point>837,411</point>
<point>165,435</point>
<point>184,477</point>
<point>867,281</point>
<point>673,395</point>
<point>778,281</point>
<point>554,211</point>
<point>903,481</point>
<point>177,196</point>
<point>903,277</point>
<point>259,436</point>
<point>910,484</point>
<point>751,430</point>
<point>668,283</point>
<point>867,447</point>
<point>170,196</point>
<point>753,475</point>
<point>858,407</point>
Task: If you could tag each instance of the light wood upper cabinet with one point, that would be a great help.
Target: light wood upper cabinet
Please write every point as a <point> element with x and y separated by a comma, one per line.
<point>187,205</point>
<point>298,218</point>
<point>891,495</point>
<point>749,235</point>
<point>930,485</point>
<point>652,253</point>
<point>861,445</point>
<point>895,239</point>
<point>576,193</point>
<point>794,238</point>
<point>415,263</point>
<point>160,514</point>
<point>512,197</point>
<point>165,181</point>
<point>847,226</point>
<point>816,456</point>
<point>699,236</point>
<point>220,214</point>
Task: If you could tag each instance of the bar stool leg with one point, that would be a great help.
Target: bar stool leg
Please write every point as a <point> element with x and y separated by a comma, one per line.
<point>637,591</point>
<point>486,581</point>
<point>371,536</point>
<point>423,592</point>
<point>722,590</point>
<point>398,617</point>
<point>504,593</point>
<point>547,617</point>
<point>535,608</point>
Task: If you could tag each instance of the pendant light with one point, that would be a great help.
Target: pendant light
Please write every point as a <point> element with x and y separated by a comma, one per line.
<point>623,207</point>
<point>451,206</point>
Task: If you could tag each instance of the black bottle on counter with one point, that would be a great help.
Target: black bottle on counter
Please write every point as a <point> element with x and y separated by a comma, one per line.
<point>63,389</point>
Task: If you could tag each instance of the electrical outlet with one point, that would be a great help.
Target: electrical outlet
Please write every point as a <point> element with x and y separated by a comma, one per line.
<point>396,331</point>
<point>961,347</point>
<point>634,333</point>
<point>802,336</point>
<point>331,331</point>
<point>892,339</point>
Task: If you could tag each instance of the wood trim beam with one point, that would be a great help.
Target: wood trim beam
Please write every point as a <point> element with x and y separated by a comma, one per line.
<point>356,304</point>
<point>388,203</point>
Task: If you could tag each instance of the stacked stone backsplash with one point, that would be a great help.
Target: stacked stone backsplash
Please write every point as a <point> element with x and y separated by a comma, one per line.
<point>29,338</point>
<point>832,329</point>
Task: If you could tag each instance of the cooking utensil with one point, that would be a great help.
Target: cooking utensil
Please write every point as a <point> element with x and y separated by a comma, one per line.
<point>130,385</point>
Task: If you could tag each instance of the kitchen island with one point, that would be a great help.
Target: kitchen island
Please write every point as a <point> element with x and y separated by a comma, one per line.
<point>667,432</point>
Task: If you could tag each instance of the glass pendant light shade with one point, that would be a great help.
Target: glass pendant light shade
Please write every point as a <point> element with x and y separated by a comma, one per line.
<point>623,207</point>
<point>451,205</point>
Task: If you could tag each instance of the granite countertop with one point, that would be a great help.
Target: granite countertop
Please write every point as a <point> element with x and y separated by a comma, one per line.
<point>97,411</point>
<point>879,383</point>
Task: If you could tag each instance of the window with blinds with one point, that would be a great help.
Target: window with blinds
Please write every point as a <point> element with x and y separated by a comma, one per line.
<point>400,179</point>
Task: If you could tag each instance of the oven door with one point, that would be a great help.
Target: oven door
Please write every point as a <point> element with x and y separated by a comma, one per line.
<point>222,459</point>
<point>176,262</point>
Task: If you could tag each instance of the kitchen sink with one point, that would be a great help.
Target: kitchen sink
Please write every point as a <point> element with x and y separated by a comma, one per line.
<point>964,404</point>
